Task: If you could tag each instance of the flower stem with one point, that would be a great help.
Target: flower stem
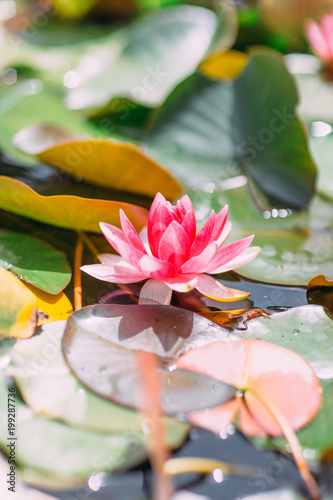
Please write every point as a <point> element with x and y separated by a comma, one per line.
<point>295,446</point>
<point>77,274</point>
<point>152,408</point>
<point>87,241</point>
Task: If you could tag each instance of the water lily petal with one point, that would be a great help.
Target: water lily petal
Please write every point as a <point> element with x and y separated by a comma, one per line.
<point>225,233</point>
<point>183,283</point>
<point>229,252</point>
<point>204,236</point>
<point>220,221</point>
<point>155,292</point>
<point>327,30</point>
<point>200,263</point>
<point>317,40</point>
<point>114,273</point>
<point>245,257</point>
<point>160,216</point>
<point>155,268</point>
<point>118,240</point>
<point>144,238</point>
<point>130,233</point>
<point>215,290</point>
<point>188,222</point>
<point>174,245</point>
<point>113,260</point>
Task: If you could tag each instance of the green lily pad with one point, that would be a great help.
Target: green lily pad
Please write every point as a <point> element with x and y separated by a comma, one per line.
<point>270,137</point>
<point>322,148</point>
<point>295,246</point>
<point>214,123</point>
<point>318,435</point>
<point>194,128</point>
<point>65,455</point>
<point>179,37</point>
<point>50,389</point>
<point>34,261</point>
<point>65,451</point>
<point>306,330</point>
<point>316,94</point>
<point>31,102</point>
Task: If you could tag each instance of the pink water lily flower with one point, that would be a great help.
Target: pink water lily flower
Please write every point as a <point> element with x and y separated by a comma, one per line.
<point>171,255</point>
<point>320,37</point>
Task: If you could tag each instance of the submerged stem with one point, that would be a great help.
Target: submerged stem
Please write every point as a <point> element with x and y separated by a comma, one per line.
<point>295,446</point>
<point>77,274</point>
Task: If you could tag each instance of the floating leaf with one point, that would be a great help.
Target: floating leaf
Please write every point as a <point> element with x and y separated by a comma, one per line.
<point>103,162</point>
<point>306,330</point>
<point>69,453</point>
<point>317,436</point>
<point>294,246</point>
<point>320,291</point>
<point>178,36</point>
<point>214,123</point>
<point>194,128</point>
<point>232,319</point>
<point>321,148</point>
<point>18,307</point>
<point>70,212</point>
<point>51,307</point>
<point>50,389</point>
<point>164,330</point>
<point>263,373</point>
<point>272,383</point>
<point>111,370</point>
<point>23,104</point>
<point>320,281</point>
<point>271,139</point>
<point>34,261</point>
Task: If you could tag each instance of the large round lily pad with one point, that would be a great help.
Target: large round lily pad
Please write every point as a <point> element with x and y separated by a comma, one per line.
<point>101,343</point>
<point>295,245</point>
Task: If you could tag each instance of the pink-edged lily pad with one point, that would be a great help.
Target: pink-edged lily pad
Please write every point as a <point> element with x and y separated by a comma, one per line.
<point>266,376</point>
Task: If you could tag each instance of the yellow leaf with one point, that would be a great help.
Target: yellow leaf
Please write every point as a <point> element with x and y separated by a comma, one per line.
<point>224,65</point>
<point>18,307</point>
<point>55,307</point>
<point>103,162</point>
<point>70,212</point>
<point>235,316</point>
<point>320,281</point>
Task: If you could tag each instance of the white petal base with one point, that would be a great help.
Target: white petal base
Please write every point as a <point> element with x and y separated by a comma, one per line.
<point>211,288</point>
<point>155,292</point>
